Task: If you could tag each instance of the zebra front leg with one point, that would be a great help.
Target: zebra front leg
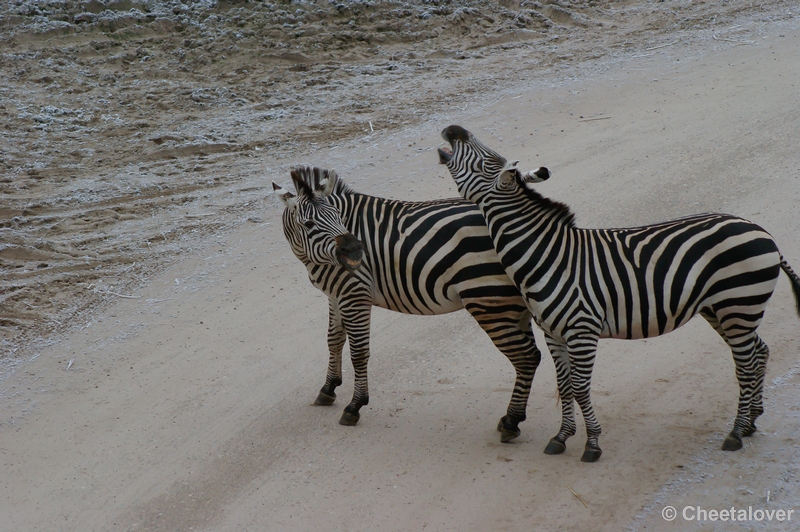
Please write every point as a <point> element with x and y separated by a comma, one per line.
<point>356,320</point>
<point>582,350</point>
<point>336,339</point>
<point>558,444</point>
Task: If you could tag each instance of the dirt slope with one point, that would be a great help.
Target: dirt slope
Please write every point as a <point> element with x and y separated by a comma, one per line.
<point>131,127</point>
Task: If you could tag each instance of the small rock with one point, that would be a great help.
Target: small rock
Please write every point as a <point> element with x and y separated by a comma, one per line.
<point>92,6</point>
<point>83,18</point>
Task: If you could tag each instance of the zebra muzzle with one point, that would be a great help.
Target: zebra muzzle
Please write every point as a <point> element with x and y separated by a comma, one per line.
<point>349,251</point>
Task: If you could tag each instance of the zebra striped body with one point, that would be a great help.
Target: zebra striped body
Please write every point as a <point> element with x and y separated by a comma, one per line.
<point>585,284</point>
<point>422,258</point>
<point>645,281</point>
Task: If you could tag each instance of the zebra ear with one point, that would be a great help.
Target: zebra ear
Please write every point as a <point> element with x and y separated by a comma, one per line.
<point>286,197</point>
<point>507,175</point>
<point>536,176</point>
<point>328,183</point>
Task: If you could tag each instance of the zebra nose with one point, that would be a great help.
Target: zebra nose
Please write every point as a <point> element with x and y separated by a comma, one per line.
<point>452,133</point>
<point>347,243</point>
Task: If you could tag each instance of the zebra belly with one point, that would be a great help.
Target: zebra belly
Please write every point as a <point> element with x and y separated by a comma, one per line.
<point>407,307</point>
<point>637,332</point>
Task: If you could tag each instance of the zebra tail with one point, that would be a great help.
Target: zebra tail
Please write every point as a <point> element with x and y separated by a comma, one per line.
<point>794,279</point>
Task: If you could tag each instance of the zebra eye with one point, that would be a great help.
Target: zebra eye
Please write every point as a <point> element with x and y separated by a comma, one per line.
<point>310,224</point>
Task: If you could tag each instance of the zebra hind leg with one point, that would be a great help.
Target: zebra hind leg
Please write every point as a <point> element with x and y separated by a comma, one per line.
<point>742,425</point>
<point>525,365</point>
<point>519,346</point>
<point>756,404</point>
<point>749,356</point>
<point>511,333</point>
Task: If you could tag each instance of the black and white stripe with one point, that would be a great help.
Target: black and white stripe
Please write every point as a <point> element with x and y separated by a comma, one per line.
<point>585,284</point>
<point>427,258</point>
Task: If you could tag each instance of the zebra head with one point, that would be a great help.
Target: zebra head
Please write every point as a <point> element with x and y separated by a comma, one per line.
<point>312,225</point>
<point>478,170</point>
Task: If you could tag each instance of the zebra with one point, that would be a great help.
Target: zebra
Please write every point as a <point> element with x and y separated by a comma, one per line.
<point>585,284</point>
<point>430,257</point>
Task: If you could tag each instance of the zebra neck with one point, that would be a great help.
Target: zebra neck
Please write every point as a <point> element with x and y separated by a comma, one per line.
<point>350,205</point>
<point>360,212</point>
<point>337,282</point>
<point>530,236</point>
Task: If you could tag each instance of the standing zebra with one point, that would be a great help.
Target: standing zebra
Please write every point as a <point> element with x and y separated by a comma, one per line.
<point>430,257</point>
<point>585,284</point>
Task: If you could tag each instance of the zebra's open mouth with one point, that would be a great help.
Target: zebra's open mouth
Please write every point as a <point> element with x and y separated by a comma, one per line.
<point>349,251</point>
<point>348,263</point>
<point>445,154</point>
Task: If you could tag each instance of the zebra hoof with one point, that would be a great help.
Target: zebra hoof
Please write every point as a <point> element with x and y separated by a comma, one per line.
<point>555,447</point>
<point>732,443</point>
<point>591,454</point>
<point>506,435</point>
<point>324,399</point>
<point>750,431</point>
<point>349,419</point>
<point>508,431</point>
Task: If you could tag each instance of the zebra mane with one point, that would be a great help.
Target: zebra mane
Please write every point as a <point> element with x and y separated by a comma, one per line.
<point>561,210</point>
<point>311,178</point>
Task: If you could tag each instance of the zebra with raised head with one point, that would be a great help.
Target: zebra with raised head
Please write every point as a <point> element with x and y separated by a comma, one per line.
<point>585,284</point>
<point>430,257</point>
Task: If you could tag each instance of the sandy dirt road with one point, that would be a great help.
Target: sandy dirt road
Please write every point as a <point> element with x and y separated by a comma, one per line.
<point>189,406</point>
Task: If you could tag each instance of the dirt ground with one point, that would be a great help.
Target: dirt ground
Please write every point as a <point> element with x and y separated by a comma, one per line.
<point>161,346</point>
